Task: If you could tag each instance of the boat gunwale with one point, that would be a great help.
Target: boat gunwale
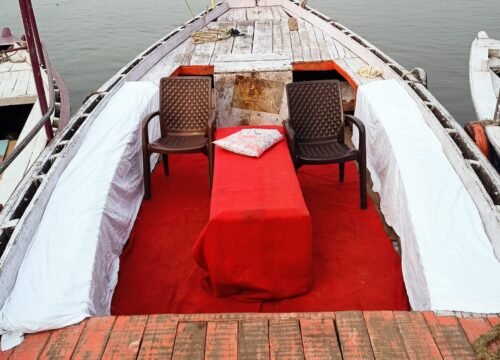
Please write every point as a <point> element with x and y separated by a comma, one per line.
<point>34,192</point>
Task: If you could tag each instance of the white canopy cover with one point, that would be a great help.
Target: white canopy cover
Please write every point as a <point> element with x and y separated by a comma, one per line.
<point>71,267</point>
<point>448,261</point>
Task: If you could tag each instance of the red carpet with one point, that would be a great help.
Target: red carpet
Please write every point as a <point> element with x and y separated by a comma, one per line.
<point>355,266</point>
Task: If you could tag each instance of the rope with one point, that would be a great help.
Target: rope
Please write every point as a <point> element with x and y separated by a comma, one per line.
<point>212,35</point>
<point>5,57</point>
<point>370,72</point>
<point>189,7</point>
<point>483,343</point>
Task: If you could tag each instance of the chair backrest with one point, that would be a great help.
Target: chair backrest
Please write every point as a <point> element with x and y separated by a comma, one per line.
<point>185,104</point>
<point>315,109</point>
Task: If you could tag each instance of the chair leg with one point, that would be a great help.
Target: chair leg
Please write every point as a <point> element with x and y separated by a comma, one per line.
<point>362,182</point>
<point>341,172</point>
<point>165,164</point>
<point>147,174</point>
<point>211,165</point>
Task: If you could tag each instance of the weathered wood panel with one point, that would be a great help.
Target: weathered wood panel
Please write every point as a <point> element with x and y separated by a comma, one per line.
<point>222,340</point>
<point>204,51</point>
<point>253,340</point>
<point>449,337</point>
<point>474,327</point>
<point>32,347</point>
<point>263,37</point>
<point>244,44</point>
<point>94,338</point>
<point>259,336</point>
<point>158,338</point>
<point>125,337</point>
<point>304,41</point>
<point>224,46</point>
<point>416,336</point>
<point>190,341</point>
<point>285,339</point>
<point>229,115</point>
<point>319,339</point>
<point>353,335</point>
<point>384,335</point>
<point>62,343</point>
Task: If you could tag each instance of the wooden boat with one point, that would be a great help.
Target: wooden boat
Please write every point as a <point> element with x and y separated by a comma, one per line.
<point>484,76</point>
<point>283,41</point>
<point>20,109</point>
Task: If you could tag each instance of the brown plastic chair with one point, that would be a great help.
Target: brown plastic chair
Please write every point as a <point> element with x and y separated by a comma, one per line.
<point>187,123</point>
<point>315,131</point>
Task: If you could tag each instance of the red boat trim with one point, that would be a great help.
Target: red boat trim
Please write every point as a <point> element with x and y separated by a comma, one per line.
<point>325,66</point>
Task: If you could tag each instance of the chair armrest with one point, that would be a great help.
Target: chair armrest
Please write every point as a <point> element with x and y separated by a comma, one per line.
<point>290,138</point>
<point>212,126</point>
<point>145,123</point>
<point>361,128</point>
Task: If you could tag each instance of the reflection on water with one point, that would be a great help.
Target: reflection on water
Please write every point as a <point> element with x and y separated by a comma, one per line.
<point>90,40</point>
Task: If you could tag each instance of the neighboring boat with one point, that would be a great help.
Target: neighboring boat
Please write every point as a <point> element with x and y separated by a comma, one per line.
<point>484,76</point>
<point>20,109</point>
<point>63,230</point>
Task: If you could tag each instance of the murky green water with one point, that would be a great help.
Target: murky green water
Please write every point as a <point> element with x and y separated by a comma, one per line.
<point>89,40</point>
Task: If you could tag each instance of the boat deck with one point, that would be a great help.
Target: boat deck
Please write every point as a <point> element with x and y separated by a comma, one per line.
<point>342,335</point>
<point>270,39</point>
<point>17,85</point>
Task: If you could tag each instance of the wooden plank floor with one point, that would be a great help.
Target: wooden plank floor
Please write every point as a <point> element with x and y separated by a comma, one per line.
<point>342,335</point>
<point>17,85</point>
<point>268,33</point>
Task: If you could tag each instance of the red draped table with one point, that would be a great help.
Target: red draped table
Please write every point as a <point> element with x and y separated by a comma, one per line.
<point>257,243</point>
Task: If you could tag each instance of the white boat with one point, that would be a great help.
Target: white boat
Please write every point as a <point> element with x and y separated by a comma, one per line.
<point>484,76</point>
<point>64,229</point>
<point>20,109</point>
<point>484,70</point>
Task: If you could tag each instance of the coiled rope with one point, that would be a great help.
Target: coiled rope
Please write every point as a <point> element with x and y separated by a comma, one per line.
<point>212,35</point>
<point>6,57</point>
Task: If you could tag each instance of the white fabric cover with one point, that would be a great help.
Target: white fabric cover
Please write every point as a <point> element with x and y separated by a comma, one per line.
<point>447,258</point>
<point>70,269</point>
<point>250,142</point>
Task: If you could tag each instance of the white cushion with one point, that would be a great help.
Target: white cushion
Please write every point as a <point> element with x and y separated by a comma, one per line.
<point>250,142</point>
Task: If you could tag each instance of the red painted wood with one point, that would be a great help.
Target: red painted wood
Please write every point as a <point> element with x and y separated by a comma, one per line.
<point>449,337</point>
<point>384,335</point>
<point>32,346</point>
<point>474,327</point>
<point>190,341</point>
<point>323,66</point>
<point>285,340</point>
<point>319,339</point>
<point>353,335</point>
<point>416,335</point>
<point>222,340</point>
<point>94,338</point>
<point>494,321</point>
<point>159,336</point>
<point>62,342</point>
<point>193,70</point>
<point>125,337</point>
<point>4,355</point>
<point>253,339</point>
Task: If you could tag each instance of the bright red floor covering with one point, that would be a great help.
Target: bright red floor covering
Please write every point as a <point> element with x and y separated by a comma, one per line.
<point>355,265</point>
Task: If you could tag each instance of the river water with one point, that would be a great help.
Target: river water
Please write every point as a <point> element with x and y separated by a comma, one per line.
<point>89,40</point>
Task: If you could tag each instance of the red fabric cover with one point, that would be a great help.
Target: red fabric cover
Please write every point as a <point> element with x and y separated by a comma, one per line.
<point>354,264</point>
<point>257,243</point>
